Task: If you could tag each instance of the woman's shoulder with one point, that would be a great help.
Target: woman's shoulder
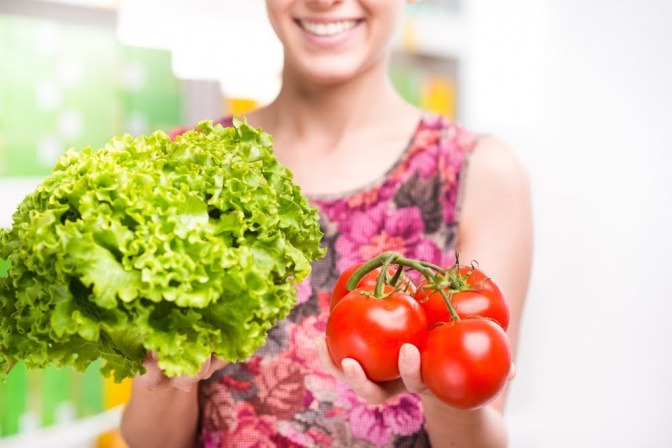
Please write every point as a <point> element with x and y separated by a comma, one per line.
<point>496,175</point>
<point>484,164</point>
<point>442,143</point>
<point>495,158</point>
<point>487,150</point>
<point>451,133</point>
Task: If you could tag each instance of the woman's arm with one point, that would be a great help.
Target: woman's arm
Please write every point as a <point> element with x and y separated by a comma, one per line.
<point>162,417</point>
<point>164,411</point>
<point>495,226</point>
<point>496,231</point>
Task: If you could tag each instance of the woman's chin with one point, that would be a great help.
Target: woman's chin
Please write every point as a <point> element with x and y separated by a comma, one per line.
<point>328,73</point>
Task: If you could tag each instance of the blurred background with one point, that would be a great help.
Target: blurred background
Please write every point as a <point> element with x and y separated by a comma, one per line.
<point>581,89</point>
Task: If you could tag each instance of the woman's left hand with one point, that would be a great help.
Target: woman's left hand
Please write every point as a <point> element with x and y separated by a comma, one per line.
<point>352,374</point>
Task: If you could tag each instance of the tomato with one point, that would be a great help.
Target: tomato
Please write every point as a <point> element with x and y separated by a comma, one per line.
<point>466,363</point>
<point>369,279</point>
<point>482,298</point>
<point>340,290</point>
<point>372,330</point>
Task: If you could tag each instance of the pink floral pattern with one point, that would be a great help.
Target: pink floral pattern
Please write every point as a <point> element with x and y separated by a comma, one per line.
<point>281,396</point>
<point>379,424</point>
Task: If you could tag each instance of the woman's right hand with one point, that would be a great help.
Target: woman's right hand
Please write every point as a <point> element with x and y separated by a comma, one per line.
<point>154,378</point>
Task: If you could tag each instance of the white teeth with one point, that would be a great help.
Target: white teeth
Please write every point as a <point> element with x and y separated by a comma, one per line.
<point>328,29</point>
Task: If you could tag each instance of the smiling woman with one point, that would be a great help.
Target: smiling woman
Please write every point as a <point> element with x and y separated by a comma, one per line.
<point>334,41</point>
<point>385,176</point>
<point>328,28</point>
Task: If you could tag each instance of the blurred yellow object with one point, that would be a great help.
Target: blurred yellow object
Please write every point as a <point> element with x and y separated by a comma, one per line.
<point>111,439</point>
<point>115,394</point>
<point>439,96</point>
<point>240,106</point>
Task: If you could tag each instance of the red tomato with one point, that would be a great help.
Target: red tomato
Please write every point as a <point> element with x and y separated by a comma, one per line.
<point>372,330</point>
<point>483,298</point>
<point>340,290</point>
<point>466,363</point>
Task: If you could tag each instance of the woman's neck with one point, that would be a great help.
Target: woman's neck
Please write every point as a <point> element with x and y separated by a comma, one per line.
<point>350,133</point>
<point>304,108</point>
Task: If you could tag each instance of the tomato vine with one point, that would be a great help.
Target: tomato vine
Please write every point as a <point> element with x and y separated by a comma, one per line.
<point>456,316</point>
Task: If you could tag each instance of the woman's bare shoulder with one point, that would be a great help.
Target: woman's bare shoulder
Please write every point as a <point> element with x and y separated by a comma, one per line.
<point>496,192</point>
<point>495,169</point>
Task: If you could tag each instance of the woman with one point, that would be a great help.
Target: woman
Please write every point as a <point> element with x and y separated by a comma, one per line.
<point>385,176</point>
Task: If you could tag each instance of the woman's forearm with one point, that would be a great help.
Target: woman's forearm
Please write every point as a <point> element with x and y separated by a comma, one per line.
<point>161,417</point>
<point>449,427</point>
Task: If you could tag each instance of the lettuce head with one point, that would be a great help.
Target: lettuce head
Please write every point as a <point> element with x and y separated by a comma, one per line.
<point>185,247</point>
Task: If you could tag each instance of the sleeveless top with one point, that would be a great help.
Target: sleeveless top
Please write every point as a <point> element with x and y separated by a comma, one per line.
<point>281,396</point>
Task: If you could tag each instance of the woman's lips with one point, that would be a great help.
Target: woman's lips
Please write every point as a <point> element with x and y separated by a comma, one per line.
<point>328,28</point>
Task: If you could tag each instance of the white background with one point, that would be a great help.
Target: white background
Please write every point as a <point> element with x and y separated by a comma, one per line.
<point>583,90</point>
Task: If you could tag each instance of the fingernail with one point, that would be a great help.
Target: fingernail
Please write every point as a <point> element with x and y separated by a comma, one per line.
<point>407,351</point>
<point>348,368</point>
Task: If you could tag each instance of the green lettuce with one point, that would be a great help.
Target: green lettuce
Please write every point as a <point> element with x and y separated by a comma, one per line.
<point>185,247</point>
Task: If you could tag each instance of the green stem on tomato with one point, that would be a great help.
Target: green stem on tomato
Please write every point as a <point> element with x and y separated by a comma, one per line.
<point>397,275</point>
<point>430,271</point>
<point>426,269</point>
<point>431,266</point>
<point>449,303</point>
<point>364,269</point>
<point>380,282</point>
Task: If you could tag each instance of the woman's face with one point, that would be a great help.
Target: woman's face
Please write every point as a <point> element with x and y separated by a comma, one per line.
<point>331,41</point>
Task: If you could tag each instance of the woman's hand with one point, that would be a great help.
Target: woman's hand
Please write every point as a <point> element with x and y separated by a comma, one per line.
<point>154,378</point>
<point>353,375</point>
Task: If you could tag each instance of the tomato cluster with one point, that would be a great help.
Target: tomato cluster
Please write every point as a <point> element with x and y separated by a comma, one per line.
<point>457,317</point>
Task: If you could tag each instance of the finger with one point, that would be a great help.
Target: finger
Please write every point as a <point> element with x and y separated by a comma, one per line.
<point>370,391</point>
<point>153,378</point>
<point>151,358</point>
<point>325,359</point>
<point>355,377</point>
<point>409,367</point>
<point>154,381</point>
<point>210,366</point>
<point>186,382</point>
<point>350,373</point>
<point>215,365</point>
<point>512,372</point>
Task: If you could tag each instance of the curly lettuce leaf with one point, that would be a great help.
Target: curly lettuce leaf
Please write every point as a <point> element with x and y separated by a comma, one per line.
<point>185,247</point>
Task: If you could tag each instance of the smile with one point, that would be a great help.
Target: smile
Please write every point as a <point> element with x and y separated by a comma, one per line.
<point>329,28</point>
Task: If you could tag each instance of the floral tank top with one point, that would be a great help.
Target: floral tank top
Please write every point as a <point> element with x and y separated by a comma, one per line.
<point>281,397</point>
